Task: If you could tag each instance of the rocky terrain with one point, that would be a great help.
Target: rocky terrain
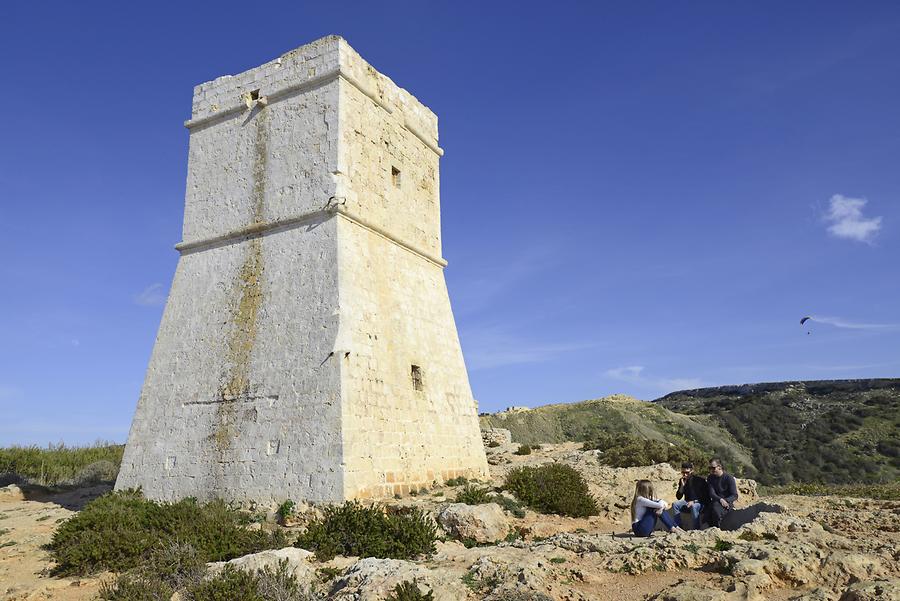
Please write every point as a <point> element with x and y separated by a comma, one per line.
<point>785,547</point>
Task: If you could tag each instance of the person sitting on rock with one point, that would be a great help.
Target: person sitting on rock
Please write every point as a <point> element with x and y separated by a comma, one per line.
<point>646,509</point>
<point>722,492</point>
<point>695,491</point>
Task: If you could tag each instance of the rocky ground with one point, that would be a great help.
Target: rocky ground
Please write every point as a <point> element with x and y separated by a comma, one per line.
<point>797,548</point>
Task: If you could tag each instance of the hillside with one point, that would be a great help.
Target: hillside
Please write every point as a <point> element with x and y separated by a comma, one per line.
<point>616,414</point>
<point>830,431</point>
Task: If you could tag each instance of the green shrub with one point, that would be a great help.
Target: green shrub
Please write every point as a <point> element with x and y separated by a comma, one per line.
<point>135,587</point>
<point>285,510</point>
<point>267,584</point>
<point>177,564</point>
<point>280,584</point>
<point>509,505</point>
<point>118,531</point>
<point>523,449</point>
<point>409,591</point>
<point>62,465</point>
<point>228,585</point>
<point>355,529</point>
<point>458,481</point>
<point>473,495</point>
<point>552,488</point>
<point>628,450</point>
<point>722,545</point>
<point>328,573</point>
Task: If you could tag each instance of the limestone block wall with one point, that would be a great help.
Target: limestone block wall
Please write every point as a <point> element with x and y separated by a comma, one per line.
<point>399,433</point>
<point>391,173</point>
<point>401,430</point>
<point>240,401</point>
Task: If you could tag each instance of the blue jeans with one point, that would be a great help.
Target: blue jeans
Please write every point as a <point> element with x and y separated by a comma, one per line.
<point>646,525</point>
<point>680,506</point>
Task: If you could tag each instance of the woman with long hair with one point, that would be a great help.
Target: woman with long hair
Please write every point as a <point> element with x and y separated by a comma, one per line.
<point>646,509</point>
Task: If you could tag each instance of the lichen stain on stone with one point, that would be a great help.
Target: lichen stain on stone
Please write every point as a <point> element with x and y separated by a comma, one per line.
<point>236,383</point>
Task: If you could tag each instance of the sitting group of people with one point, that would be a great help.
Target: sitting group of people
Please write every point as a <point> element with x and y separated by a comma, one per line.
<point>710,499</point>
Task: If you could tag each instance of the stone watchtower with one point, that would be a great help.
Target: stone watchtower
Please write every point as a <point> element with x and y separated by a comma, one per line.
<point>307,349</point>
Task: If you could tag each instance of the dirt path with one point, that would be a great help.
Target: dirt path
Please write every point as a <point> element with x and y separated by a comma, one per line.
<point>25,527</point>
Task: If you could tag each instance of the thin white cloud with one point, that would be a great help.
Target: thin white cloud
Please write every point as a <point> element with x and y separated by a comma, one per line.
<point>152,296</point>
<point>487,283</point>
<point>634,374</point>
<point>846,217</point>
<point>852,325</point>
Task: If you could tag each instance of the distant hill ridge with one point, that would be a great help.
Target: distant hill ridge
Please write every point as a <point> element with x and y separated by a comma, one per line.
<point>823,431</point>
<point>618,414</point>
<point>818,431</point>
<point>811,386</point>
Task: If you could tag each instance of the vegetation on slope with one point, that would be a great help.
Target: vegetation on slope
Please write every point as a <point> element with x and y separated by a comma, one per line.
<point>63,465</point>
<point>830,432</point>
<point>595,420</point>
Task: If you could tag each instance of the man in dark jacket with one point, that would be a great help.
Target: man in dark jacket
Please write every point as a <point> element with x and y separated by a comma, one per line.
<point>695,493</point>
<point>722,492</point>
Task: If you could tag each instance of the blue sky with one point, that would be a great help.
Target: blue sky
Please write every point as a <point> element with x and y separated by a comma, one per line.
<point>636,197</point>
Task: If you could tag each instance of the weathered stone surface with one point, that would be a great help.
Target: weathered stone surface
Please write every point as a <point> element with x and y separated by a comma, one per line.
<point>297,561</point>
<point>496,436</point>
<point>484,523</point>
<point>374,579</point>
<point>307,349</point>
<point>880,590</point>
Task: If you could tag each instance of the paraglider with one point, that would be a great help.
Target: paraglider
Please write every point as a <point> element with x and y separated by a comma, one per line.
<point>804,320</point>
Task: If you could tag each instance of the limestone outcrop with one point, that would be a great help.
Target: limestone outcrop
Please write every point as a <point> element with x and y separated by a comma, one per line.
<point>480,523</point>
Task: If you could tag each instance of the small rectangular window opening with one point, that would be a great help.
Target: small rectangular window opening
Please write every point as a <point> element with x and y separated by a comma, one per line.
<point>417,378</point>
<point>395,177</point>
<point>254,95</point>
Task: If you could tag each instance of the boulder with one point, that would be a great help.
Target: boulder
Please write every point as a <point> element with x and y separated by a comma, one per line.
<point>297,559</point>
<point>482,523</point>
<point>496,435</point>
<point>373,579</point>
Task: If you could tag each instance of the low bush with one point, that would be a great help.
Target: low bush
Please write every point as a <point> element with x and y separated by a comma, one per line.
<point>356,529</point>
<point>552,488</point>
<point>493,444</point>
<point>285,510</point>
<point>458,481</point>
<point>135,587</point>
<point>61,465</point>
<point>169,568</point>
<point>723,545</point>
<point>628,450</point>
<point>473,495</point>
<point>509,504</point>
<point>409,591</point>
<point>119,531</point>
<point>228,585</point>
<point>523,449</point>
